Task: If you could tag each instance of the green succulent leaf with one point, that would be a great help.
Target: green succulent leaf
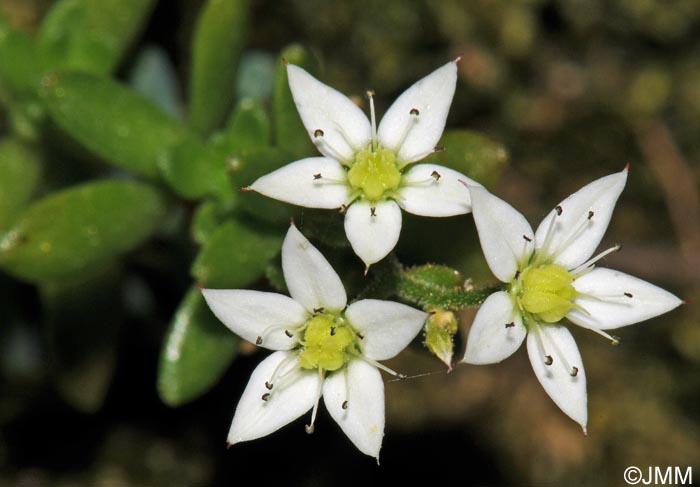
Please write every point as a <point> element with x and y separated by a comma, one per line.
<point>72,230</point>
<point>247,128</point>
<point>90,35</point>
<point>207,218</point>
<point>194,170</point>
<point>20,68</point>
<point>235,255</point>
<point>113,121</point>
<point>220,35</point>
<point>476,155</point>
<point>290,133</point>
<point>196,352</point>
<point>20,174</point>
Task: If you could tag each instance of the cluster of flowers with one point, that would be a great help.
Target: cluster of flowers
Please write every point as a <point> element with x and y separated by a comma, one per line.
<point>325,347</point>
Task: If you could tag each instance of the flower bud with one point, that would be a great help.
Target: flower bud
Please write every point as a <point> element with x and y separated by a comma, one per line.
<point>440,329</point>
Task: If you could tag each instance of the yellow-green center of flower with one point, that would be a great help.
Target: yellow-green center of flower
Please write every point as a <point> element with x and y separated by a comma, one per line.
<point>326,343</point>
<point>547,292</point>
<point>375,173</point>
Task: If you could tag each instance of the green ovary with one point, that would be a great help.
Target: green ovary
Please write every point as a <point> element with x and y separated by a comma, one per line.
<point>326,343</point>
<point>374,173</point>
<point>547,292</point>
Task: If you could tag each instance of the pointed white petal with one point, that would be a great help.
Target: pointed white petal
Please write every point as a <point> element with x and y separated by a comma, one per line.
<point>432,190</point>
<point>373,236</point>
<point>503,233</point>
<point>577,233</point>
<point>497,331</point>
<point>360,384</point>
<point>289,399</point>
<point>253,314</point>
<point>414,137</point>
<point>607,306</point>
<point>299,183</point>
<point>567,391</point>
<point>310,278</point>
<point>387,327</point>
<point>345,127</point>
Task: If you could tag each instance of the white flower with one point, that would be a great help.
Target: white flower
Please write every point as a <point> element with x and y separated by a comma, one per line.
<point>550,275</point>
<point>323,348</point>
<point>367,171</point>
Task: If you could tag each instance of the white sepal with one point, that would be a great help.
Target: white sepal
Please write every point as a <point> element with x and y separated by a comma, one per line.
<point>496,333</point>
<point>432,190</point>
<point>360,384</point>
<point>386,327</point>
<point>373,234</point>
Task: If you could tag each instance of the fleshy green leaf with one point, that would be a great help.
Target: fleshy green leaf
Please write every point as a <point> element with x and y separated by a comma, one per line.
<point>91,35</point>
<point>247,128</point>
<point>20,69</point>
<point>74,229</point>
<point>196,352</point>
<point>438,286</point>
<point>192,170</point>
<point>290,134</point>
<point>82,323</point>
<point>113,121</point>
<point>473,154</point>
<point>219,38</point>
<point>235,255</point>
<point>206,219</point>
<point>20,173</point>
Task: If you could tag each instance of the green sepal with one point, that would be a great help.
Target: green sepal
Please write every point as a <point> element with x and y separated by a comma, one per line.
<point>196,352</point>
<point>74,229</point>
<point>20,174</point>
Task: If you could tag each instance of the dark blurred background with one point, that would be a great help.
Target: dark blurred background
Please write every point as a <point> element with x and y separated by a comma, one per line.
<point>574,90</point>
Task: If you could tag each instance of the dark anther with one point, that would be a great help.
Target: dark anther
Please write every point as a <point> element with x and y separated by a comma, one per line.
<point>438,148</point>
<point>615,341</point>
<point>435,175</point>
<point>629,295</point>
<point>309,428</point>
<point>320,309</point>
<point>370,93</point>
<point>574,371</point>
<point>559,209</point>
<point>345,405</point>
<point>318,133</point>
<point>360,336</point>
<point>333,330</point>
<point>258,341</point>
<point>517,274</point>
<point>590,214</point>
<point>373,211</point>
<point>317,176</point>
<point>288,333</point>
<point>401,376</point>
<point>268,385</point>
<point>266,396</point>
<point>343,209</point>
<point>510,325</point>
<point>527,239</point>
<point>414,111</point>
<point>548,360</point>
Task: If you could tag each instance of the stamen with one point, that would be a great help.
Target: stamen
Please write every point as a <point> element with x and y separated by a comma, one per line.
<point>265,396</point>
<point>317,176</point>
<point>590,214</point>
<point>343,209</point>
<point>373,119</point>
<point>414,113</point>
<point>548,360</point>
<point>373,211</point>
<point>574,371</point>
<point>270,383</point>
<point>273,328</point>
<point>318,133</point>
<point>345,405</point>
<point>544,249</point>
<point>333,328</point>
<point>438,148</point>
<point>382,367</point>
<point>319,310</point>
<point>310,427</point>
<point>435,175</point>
<point>527,239</point>
<point>510,325</point>
<point>591,326</point>
<point>288,333</point>
<point>560,356</point>
<point>559,210</point>
<point>629,295</point>
<point>360,336</point>
<point>325,148</point>
<point>258,341</point>
<point>590,262</point>
<point>577,229</point>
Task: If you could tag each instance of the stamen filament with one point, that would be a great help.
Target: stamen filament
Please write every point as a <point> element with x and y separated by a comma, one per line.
<point>382,367</point>
<point>373,119</point>
<point>590,262</point>
<point>310,427</point>
<point>324,147</point>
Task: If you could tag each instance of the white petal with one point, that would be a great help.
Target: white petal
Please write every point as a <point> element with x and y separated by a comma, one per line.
<point>422,193</point>
<point>373,236</point>
<point>606,305</point>
<point>289,399</point>
<point>503,233</point>
<point>253,314</point>
<point>567,391</point>
<point>387,327</point>
<point>490,340</point>
<point>577,234</point>
<point>360,384</point>
<point>299,183</point>
<point>411,137</point>
<point>345,127</point>
<point>310,278</point>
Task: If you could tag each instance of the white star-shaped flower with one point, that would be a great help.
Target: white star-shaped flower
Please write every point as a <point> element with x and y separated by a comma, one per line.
<point>322,348</point>
<point>550,276</point>
<point>369,172</point>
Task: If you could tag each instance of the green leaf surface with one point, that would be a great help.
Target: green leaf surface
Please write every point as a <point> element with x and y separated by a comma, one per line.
<point>290,133</point>
<point>220,35</point>
<point>83,317</point>
<point>20,69</point>
<point>235,255</point>
<point>90,35</point>
<point>473,154</point>
<point>196,352</point>
<point>248,127</point>
<point>206,220</point>
<point>76,228</point>
<point>20,174</point>
<point>111,120</point>
<point>154,76</point>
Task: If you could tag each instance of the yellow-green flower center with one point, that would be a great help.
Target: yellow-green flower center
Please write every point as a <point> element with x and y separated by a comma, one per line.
<point>546,291</point>
<point>375,173</point>
<point>326,343</point>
